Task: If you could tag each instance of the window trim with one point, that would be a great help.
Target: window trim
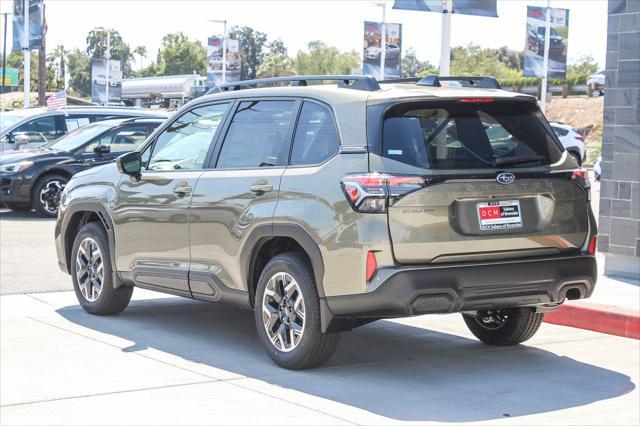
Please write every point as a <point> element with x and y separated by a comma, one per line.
<point>297,105</point>
<point>335,125</point>
<point>214,140</point>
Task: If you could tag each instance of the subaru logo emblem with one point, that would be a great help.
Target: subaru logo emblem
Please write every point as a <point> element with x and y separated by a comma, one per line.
<point>506,178</point>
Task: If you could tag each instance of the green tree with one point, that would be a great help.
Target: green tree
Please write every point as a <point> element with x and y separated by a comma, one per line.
<point>59,54</point>
<point>473,60</point>
<point>322,59</point>
<point>277,46</point>
<point>97,46</point>
<point>78,66</point>
<point>252,45</point>
<point>141,51</point>
<point>275,65</point>
<point>179,55</point>
<point>16,60</point>
<point>585,65</point>
<point>413,67</point>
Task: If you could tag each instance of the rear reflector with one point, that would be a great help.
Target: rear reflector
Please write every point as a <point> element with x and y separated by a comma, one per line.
<point>372,265</point>
<point>475,100</point>
<point>592,245</point>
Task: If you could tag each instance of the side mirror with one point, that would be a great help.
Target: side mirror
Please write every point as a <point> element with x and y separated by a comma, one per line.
<point>21,139</point>
<point>102,149</point>
<point>130,164</point>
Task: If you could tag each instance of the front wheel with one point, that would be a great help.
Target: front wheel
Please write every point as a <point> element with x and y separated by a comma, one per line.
<point>287,314</point>
<point>504,327</point>
<point>92,273</point>
<point>47,193</point>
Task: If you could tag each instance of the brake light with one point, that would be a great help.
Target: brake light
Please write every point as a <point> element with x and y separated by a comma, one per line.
<point>580,174</point>
<point>372,265</point>
<point>375,192</point>
<point>592,245</point>
<point>475,100</point>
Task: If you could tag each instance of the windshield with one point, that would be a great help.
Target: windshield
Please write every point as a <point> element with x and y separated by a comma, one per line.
<point>78,137</point>
<point>8,119</point>
<point>468,135</point>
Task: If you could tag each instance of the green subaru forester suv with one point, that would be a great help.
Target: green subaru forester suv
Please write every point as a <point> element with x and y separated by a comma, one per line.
<point>323,207</point>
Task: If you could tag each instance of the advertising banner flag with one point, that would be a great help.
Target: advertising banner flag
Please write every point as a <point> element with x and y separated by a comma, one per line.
<point>463,7</point>
<point>373,49</point>
<point>36,24</point>
<point>535,43</point>
<point>214,60</point>
<point>99,81</point>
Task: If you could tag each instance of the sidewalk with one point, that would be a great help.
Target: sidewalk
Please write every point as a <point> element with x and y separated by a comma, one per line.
<point>614,308</point>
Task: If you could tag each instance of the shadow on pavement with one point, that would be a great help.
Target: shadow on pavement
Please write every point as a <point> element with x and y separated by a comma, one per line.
<point>393,370</point>
<point>10,215</point>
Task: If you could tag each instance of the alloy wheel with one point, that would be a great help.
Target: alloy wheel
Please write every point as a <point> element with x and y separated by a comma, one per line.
<point>50,195</point>
<point>89,269</point>
<point>283,311</point>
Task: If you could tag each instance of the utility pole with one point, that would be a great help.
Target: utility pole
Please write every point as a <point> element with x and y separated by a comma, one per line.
<point>4,50</point>
<point>108,55</point>
<point>42,63</point>
<point>26,51</point>
<point>445,40</point>
<point>545,60</point>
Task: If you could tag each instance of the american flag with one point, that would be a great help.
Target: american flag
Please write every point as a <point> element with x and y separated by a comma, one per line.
<point>57,100</point>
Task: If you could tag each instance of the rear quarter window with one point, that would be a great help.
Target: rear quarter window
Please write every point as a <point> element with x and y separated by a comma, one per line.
<point>460,135</point>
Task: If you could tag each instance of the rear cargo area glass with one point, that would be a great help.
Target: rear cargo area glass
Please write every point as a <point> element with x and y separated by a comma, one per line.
<point>468,135</point>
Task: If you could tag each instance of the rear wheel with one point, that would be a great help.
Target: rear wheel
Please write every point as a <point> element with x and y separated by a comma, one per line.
<point>504,327</point>
<point>92,273</point>
<point>287,314</point>
<point>47,193</point>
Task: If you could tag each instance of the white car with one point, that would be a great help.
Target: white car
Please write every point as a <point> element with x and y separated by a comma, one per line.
<point>597,168</point>
<point>572,141</point>
<point>596,82</point>
<point>101,80</point>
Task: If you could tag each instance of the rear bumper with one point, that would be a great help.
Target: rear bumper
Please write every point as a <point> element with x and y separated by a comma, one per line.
<point>409,291</point>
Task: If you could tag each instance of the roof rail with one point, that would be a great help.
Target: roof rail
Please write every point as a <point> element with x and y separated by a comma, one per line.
<point>464,81</point>
<point>358,82</point>
<point>401,80</point>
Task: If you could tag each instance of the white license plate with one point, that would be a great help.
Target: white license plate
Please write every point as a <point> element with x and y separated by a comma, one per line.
<point>499,215</point>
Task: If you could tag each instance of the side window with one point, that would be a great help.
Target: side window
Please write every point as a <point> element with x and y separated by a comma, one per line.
<point>74,121</point>
<point>184,144</point>
<point>41,129</point>
<point>316,136</point>
<point>122,139</point>
<point>257,136</point>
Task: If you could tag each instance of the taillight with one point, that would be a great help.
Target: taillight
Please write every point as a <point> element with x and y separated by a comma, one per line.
<point>475,100</point>
<point>372,265</point>
<point>581,177</point>
<point>592,245</point>
<point>374,192</point>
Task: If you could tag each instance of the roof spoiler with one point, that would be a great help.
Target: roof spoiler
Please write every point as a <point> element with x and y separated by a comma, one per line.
<point>357,82</point>
<point>464,81</point>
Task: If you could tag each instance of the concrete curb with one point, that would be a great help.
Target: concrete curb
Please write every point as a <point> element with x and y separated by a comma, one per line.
<point>601,318</point>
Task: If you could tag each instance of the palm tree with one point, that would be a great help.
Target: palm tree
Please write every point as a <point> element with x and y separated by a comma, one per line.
<point>60,53</point>
<point>276,65</point>
<point>141,51</point>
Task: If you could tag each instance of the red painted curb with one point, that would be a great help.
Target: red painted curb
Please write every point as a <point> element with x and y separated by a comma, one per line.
<point>600,318</point>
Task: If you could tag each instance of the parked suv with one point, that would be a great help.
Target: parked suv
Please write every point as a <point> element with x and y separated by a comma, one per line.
<point>325,207</point>
<point>33,127</point>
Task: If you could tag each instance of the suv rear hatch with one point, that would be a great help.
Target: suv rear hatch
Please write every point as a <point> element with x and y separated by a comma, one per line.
<point>476,179</point>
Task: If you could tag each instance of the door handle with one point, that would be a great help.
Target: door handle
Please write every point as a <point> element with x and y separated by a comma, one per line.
<point>182,190</point>
<point>261,186</point>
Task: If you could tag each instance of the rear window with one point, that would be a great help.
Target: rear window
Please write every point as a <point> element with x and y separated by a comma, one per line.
<point>461,135</point>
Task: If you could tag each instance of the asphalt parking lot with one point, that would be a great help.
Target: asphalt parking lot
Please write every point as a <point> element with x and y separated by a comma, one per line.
<point>168,360</point>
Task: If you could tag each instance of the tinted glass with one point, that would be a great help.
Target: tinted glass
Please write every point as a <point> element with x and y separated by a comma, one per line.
<point>257,136</point>
<point>457,135</point>
<point>74,140</point>
<point>184,144</point>
<point>559,131</point>
<point>122,139</point>
<point>41,129</point>
<point>316,136</point>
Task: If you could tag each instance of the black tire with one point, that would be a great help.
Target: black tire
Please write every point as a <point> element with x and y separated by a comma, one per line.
<point>19,207</point>
<point>54,183</point>
<point>520,325</point>
<point>110,301</point>
<point>314,347</point>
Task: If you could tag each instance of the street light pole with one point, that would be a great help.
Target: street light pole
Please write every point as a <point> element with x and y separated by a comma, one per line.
<point>4,50</point>
<point>108,55</point>
<point>445,41</point>
<point>26,51</point>
<point>545,59</point>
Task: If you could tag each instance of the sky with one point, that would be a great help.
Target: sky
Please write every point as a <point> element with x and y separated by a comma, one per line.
<point>338,23</point>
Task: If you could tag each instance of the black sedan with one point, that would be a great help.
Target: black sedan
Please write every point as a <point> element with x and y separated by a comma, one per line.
<point>34,179</point>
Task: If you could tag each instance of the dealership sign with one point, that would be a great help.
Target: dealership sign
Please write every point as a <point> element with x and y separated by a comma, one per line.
<point>214,61</point>
<point>36,24</point>
<point>11,76</point>
<point>99,81</point>
<point>373,49</point>
<point>535,42</point>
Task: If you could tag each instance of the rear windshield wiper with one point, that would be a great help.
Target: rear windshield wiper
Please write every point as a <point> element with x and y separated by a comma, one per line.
<point>517,160</point>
